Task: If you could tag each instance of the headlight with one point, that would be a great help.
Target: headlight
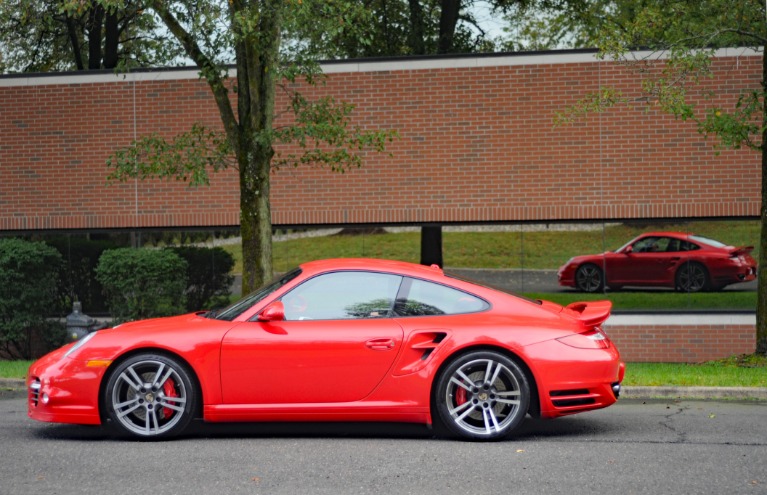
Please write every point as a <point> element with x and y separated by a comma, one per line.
<point>79,344</point>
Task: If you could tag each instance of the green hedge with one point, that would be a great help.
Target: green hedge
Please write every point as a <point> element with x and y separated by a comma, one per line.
<point>78,281</point>
<point>142,283</point>
<point>208,278</point>
<point>29,282</point>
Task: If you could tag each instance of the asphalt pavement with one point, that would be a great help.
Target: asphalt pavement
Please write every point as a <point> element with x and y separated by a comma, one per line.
<point>633,447</point>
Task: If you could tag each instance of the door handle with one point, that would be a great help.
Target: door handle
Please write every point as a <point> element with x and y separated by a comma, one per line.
<point>383,344</point>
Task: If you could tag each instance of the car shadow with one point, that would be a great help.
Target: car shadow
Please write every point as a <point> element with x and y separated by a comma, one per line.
<point>531,429</point>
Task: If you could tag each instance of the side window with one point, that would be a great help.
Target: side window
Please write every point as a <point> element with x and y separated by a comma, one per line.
<point>689,246</point>
<point>342,295</point>
<point>648,245</point>
<point>420,298</point>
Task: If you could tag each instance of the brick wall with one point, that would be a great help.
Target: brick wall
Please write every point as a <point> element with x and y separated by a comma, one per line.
<point>476,144</point>
<point>671,339</point>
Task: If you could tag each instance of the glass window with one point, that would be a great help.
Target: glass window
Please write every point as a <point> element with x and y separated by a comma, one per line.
<point>421,298</point>
<point>236,309</point>
<point>651,245</point>
<point>342,295</point>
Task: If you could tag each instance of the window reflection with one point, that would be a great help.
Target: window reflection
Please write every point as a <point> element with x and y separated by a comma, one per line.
<point>343,295</point>
<point>425,299</point>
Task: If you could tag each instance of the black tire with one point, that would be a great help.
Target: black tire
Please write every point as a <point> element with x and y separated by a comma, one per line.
<point>589,278</point>
<point>481,395</point>
<point>692,277</point>
<point>150,396</point>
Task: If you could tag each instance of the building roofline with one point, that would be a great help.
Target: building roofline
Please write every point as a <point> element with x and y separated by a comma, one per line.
<point>379,64</point>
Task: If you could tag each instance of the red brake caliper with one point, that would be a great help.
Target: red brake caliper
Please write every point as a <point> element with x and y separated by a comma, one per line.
<point>170,391</point>
<point>460,396</point>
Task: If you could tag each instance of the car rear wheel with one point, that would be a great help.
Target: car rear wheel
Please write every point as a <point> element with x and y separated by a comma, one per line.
<point>589,278</point>
<point>150,396</point>
<point>482,395</point>
<point>691,277</point>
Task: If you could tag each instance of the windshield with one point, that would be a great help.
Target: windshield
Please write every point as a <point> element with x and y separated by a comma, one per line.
<point>231,312</point>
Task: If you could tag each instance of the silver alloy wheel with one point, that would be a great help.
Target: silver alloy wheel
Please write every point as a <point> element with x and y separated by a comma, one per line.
<point>483,397</point>
<point>149,397</point>
<point>588,278</point>
<point>691,278</point>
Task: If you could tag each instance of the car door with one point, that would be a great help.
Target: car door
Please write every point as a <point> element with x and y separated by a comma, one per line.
<point>336,344</point>
<point>646,263</point>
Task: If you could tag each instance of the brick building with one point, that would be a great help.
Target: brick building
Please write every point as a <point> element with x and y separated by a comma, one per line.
<point>477,144</point>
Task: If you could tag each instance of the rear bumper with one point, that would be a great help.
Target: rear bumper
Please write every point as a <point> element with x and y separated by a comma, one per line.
<point>579,380</point>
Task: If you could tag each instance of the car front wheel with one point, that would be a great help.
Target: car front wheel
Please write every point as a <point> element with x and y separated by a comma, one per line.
<point>482,395</point>
<point>150,396</point>
<point>588,278</point>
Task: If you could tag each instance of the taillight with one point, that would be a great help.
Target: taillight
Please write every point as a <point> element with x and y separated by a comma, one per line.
<point>592,339</point>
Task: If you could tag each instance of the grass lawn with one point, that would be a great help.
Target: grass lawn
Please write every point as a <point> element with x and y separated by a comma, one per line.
<point>660,301</point>
<point>532,250</point>
<point>738,371</point>
<point>14,369</point>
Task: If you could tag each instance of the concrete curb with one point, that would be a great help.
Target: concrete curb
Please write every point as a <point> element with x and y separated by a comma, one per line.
<point>757,393</point>
<point>694,393</point>
<point>12,384</point>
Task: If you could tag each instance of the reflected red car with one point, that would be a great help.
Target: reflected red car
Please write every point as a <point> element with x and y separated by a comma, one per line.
<point>685,262</point>
<point>340,340</point>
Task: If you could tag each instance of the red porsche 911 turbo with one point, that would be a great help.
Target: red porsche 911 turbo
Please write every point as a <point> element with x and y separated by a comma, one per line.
<point>340,340</point>
<point>685,262</point>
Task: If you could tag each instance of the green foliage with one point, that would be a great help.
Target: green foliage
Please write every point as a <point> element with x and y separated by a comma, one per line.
<point>186,157</point>
<point>29,276</point>
<point>78,283</point>
<point>142,283</point>
<point>325,135</point>
<point>208,276</point>
<point>679,39</point>
<point>61,35</point>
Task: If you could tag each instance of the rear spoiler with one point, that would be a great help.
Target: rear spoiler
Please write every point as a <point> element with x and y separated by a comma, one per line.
<point>589,314</point>
<point>742,250</point>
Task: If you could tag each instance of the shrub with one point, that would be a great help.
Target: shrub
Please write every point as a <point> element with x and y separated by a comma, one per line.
<point>78,281</point>
<point>208,278</point>
<point>142,283</point>
<point>29,277</point>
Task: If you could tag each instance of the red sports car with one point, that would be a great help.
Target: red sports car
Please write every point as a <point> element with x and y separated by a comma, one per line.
<point>340,340</point>
<point>685,262</point>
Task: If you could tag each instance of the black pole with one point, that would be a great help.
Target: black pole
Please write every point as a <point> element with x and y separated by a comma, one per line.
<point>431,245</point>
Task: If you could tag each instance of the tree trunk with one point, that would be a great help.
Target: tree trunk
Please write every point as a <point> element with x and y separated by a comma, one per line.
<point>257,59</point>
<point>255,219</point>
<point>111,40</point>
<point>416,36</point>
<point>447,21</point>
<point>95,25</point>
<point>74,42</point>
<point>761,305</point>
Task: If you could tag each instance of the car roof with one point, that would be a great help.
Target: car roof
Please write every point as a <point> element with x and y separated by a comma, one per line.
<point>401,267</point>
<point>667,234</point>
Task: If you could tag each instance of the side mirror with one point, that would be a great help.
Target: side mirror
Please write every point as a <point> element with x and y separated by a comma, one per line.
<point>628,250</point>
<point>274,312</point>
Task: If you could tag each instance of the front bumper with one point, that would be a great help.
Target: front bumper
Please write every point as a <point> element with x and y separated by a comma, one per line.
<point>64,390</point>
